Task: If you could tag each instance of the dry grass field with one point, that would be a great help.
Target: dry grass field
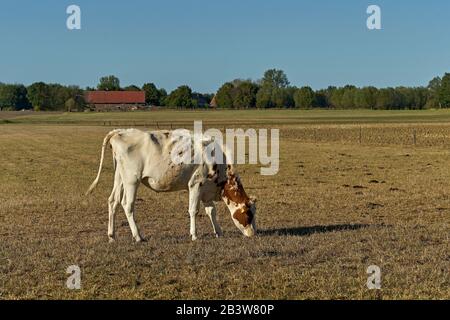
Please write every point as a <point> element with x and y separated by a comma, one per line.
<point>351,192</point>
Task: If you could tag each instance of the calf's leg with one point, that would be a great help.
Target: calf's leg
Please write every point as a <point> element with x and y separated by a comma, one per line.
<point>194,203</point>
<point>211,211</point>
<point>128,204</point>
<point>113,202</point>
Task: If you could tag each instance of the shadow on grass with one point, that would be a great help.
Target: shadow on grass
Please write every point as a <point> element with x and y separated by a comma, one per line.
<point>304,231</point>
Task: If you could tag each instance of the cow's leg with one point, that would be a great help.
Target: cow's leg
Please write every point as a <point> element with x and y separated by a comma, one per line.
<point>194,204</point>
<point>128,201</point>
<point>210,209</point>
<point>113,202</point>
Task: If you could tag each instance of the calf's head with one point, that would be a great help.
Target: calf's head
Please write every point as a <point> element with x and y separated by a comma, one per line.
<point>241,206</point>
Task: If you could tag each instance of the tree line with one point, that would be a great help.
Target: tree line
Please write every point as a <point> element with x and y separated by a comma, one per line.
<point>275,91</point>
<point>272,91</point>
<point>41,96</point>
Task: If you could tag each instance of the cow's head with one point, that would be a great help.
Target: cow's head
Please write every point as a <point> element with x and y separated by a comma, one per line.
<point>241,206</point>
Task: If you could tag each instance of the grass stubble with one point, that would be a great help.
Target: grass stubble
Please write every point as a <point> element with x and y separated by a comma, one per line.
<point>335,207</point>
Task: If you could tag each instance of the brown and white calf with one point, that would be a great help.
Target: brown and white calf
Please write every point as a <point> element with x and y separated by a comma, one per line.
<point>147,157</point>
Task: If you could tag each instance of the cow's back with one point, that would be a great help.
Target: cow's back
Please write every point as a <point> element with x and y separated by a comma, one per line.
<point>148,156</point>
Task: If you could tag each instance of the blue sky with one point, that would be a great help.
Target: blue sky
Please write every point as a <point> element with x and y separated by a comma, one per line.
<point>204,43</point>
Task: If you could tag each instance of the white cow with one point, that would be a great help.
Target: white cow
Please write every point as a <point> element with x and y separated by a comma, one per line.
<point>146,157</point>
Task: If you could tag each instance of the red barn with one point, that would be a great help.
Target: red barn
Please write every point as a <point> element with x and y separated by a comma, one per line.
<point>115,100</point>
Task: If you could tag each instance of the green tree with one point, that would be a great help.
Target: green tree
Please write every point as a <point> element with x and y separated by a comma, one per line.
<point>51,97</point>
<point>365,98</point>
<point>404,98</point>
<point>201,100</point>
<point>348,97</point>
<point>433,93</point>
<point>238,94</point>
<point>152,94</point>
<point>109,83</point>
<point>264,97</point>
<point>275,78</point>
<point>58,95</point>
<point>420,98</point>
<point>321,99</point>
<point>180,97</point>
<point>444,91</point>
<point>70,104</point>
<point>7,97</point>
<point>289,95</point>
<point>386,99</point>
<point>13,97</point>
<point>162,97</point>
<point>39,95</point>
<point>435,84</point>
<point>333,96</point>
<point>75,102</point>
<point>77,94</point>
<point>272,92</point>
<point>132,88</point>
<point>224,96</point>
<point>245,95</point>
<point>304,98</point>
<point>280,97</point>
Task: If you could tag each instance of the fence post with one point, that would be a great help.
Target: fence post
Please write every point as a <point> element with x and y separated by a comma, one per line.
<point>414,136</point>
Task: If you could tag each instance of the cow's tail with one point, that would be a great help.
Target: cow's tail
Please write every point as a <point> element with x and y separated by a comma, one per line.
<point>105,143</point>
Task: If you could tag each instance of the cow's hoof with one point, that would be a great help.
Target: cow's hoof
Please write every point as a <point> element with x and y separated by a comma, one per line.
<point>219,235</point>
<point>194,238</point>
<point>111,240</point>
